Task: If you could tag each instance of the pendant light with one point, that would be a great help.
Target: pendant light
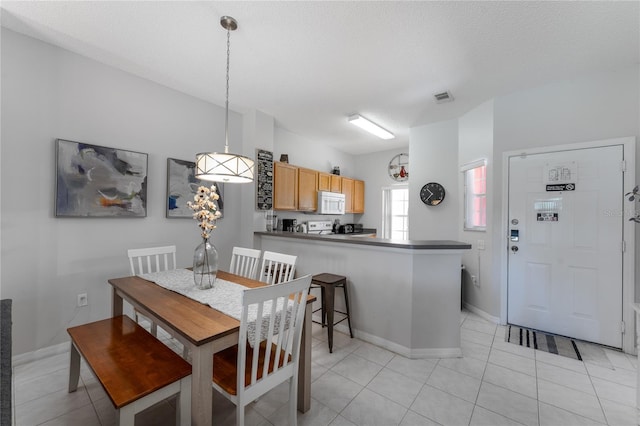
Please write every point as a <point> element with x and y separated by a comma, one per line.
<point>225,167</point>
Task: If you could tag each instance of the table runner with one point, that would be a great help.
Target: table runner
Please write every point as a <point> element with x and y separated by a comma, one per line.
<point>225,296</point>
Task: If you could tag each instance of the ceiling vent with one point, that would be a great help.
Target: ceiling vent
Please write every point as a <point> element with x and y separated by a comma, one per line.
<point>443,97</point>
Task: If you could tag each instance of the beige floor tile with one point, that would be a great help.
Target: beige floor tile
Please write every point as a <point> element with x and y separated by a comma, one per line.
<point>442,407</point>
<point>495,383</point>
<point>395,386</point>
<point>577,402</point>
<point>370,408</point>
<point>512,405</point>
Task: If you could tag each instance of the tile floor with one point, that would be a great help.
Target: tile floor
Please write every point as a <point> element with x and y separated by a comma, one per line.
<point>495,383</point>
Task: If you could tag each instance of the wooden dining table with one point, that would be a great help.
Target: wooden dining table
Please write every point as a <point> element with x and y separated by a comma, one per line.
<point>205,331</point>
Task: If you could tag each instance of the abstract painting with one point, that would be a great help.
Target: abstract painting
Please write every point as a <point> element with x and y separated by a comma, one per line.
<point>182,186</point>
<point>96,181</point>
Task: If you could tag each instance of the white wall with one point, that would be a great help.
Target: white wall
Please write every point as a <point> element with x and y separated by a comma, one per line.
<point>373,169</point>
<point>50,93</point>
<point>259,134</point>
<point>476,143</point>
<point>312,155</point>
<point>587,108</point>
<point>303,152</point>
<point>433,157</point>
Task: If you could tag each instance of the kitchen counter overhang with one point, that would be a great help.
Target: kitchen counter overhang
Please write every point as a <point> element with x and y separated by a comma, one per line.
<point>365,239</point>
<point>404,295</point>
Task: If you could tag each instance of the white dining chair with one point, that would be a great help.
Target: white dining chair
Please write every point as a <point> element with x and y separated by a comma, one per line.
<point>148,260</point>
<point>244,262</point>
<point>241,374</point>
<point>277,267</point>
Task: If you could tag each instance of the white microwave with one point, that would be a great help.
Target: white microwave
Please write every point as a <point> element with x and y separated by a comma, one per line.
<point>330,202</point>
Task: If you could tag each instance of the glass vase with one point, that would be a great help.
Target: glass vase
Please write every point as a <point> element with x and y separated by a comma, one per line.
<point>205,265</point>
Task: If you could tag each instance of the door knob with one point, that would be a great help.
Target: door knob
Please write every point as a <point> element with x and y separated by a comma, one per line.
<point>514,248</point>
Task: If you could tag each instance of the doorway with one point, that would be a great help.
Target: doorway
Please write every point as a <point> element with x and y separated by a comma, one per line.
<point>566,254</point>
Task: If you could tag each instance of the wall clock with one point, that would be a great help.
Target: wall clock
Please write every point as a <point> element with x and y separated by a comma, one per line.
<point>399,167</point>
<point>432,194</point>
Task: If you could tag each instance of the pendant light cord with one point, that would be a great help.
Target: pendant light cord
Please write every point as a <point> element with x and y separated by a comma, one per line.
<point>226,121</point>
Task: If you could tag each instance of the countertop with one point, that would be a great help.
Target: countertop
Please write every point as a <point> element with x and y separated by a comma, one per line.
<point>368,239</point>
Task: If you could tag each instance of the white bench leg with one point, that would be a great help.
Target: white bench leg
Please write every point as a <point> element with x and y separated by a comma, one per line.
<point>74,368</point>
<point>126,416</point>
<point>183,405</point>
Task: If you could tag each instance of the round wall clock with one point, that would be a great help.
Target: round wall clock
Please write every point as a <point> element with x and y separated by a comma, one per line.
<point>399,167</point>
<point>432,194</point>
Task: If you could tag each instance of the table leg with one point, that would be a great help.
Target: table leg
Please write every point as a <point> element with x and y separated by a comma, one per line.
<point>201,389</point>
<point>304,367</point>
<point>116,303</point>
<point>74,369</point>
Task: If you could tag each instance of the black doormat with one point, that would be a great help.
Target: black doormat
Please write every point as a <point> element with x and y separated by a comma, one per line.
<point>560,345</point>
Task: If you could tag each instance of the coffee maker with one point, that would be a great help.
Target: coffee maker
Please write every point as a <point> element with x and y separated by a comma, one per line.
<point>289,225</point>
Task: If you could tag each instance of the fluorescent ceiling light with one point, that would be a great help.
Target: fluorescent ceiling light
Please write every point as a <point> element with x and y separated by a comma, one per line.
<point>370,126</point>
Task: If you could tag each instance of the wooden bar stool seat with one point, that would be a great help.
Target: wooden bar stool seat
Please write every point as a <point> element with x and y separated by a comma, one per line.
<point>327,284</point>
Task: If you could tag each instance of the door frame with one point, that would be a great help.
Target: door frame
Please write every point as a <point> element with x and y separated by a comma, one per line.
<point>628,232</point>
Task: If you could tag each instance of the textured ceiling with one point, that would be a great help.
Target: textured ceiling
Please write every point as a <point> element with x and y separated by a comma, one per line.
<point>312,64</point>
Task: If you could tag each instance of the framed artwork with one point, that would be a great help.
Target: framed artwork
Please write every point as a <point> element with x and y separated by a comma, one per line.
<point>264,179</point>
<point>182,186</point>
<point>97,181</point>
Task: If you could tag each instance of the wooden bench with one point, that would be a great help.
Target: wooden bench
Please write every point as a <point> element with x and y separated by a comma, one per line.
<point>135,369</point>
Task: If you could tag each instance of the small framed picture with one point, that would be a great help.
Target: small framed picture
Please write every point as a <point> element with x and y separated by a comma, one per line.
<point>97,181</point>
<point>182,186</point>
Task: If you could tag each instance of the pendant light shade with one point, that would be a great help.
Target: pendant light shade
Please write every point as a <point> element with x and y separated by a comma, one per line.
<point>225,167</point>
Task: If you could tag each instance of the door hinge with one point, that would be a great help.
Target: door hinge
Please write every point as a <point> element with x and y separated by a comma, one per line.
<point>622,327</point>
<point>623,166</point>
<point>624,246</point>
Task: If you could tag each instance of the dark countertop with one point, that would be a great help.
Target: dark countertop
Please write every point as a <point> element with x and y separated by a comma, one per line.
<point>371,240</point>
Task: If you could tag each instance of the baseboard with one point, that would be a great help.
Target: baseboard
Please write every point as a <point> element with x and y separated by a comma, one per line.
<point>479,312</point>
<point>436,353</point>
<point>403,350</point>
<point>40,354</point>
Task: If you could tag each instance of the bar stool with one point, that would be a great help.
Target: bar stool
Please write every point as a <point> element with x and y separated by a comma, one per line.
<point>327,284</point>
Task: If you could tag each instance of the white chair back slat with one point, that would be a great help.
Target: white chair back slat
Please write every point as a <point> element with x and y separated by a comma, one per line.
<point>288,338</point>
<point>153,259</point>
<point>277,268</point>
<point>244,262</point>
<point>270,336</point>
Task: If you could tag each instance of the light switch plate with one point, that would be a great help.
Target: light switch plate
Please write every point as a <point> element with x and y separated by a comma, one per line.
<point>480,244</point>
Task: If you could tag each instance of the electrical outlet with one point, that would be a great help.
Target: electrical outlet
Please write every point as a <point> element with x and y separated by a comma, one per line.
<point>82,299</point>
<point>474,280</point>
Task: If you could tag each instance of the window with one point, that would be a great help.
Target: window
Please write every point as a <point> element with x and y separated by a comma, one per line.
<point>395,212</point>
<point>475,196</point>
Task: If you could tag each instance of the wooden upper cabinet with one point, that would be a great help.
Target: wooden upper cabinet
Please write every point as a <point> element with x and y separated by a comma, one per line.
<point>336,183</point>
<point>358,196</point>
<point>296,188</point>
<point>285,186</point>
<point>307,189</point>
<point>324,181</point>
<point>347,190</point>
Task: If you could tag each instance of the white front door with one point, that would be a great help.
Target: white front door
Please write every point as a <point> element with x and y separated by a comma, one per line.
<point>565,248</point>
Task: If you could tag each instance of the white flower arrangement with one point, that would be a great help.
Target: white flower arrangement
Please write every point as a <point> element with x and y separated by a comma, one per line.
<point>205,209</point>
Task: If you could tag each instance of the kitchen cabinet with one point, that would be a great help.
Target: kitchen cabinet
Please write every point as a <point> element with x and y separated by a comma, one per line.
<point>358,196</point>
<point>285,186</point>
<point>347,190</point>
<point>307,189</point>
<point>324,181</point>
<point>336,183</point>
<point>296,188</point>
